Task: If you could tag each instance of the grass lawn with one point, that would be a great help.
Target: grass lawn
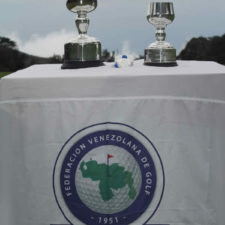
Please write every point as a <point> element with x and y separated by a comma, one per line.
<point>2,74</point>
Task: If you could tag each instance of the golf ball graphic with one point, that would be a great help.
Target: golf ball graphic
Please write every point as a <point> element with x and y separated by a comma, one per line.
<point>108,179</point>
<point>108,174</point>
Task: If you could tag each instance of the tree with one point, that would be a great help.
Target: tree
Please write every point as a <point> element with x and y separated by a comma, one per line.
<point>107,56</point>
<point>7,43</point>
<point>208,49</point>
<point>11,59</point>
<point>56,59</point>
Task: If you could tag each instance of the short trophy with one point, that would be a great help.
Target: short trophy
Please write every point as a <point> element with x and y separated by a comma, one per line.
<point>82,51</point>
<point>160,53</point>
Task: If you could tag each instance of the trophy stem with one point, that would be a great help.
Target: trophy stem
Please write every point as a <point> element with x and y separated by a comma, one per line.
<point>82,23</point>
<point>160,34</point>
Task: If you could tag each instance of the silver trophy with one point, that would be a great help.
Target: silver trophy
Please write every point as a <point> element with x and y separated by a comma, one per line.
<point>82,51</point>
<point>160,53</point>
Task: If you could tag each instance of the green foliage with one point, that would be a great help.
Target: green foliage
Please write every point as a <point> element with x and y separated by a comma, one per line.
<point>107,56</point>
<point>208,49</point>
<point>56,59</point>
<point>2,74</point>
<point>12,60</point>
<point>7,43</point>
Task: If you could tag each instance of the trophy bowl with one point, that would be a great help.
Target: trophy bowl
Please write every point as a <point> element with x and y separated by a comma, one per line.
<point>160,53</point>
<point>81,5</point>
<point>82,51</point>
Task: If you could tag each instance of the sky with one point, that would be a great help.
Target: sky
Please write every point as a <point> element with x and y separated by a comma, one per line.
<point>42,27</point>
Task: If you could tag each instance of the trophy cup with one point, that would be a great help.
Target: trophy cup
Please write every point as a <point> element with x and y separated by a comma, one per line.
<point>82,51</point>
<point>160,53</point>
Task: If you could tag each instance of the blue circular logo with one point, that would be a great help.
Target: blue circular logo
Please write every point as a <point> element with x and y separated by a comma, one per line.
<point>108,173</point>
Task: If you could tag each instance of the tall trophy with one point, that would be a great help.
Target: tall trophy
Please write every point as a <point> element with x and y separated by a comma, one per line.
<point>160,53</point>
<point>82,51</point>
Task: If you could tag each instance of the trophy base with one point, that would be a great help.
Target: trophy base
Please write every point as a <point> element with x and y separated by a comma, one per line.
<point>161,64</point>
<point>79,64</point>
<point>160,57</point>
<point>81,54</point>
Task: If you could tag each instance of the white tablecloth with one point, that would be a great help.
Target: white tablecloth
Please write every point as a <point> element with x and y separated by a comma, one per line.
<point>181,110</point>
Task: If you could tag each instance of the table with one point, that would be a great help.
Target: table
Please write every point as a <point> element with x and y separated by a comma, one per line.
<point>176,115</point>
